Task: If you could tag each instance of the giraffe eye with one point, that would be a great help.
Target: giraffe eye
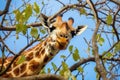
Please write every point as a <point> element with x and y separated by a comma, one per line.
<point>66,36</point>
<point>61,35</point>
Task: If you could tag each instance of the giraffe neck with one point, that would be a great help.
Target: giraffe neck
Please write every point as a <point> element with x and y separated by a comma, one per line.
<point>35,60</point>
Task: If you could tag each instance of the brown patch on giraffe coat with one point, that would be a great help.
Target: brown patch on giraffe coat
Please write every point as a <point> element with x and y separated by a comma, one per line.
<point>46,58</point>
<point>23,67</point>
<point>7,75</point>
<point>37,54</point>
<point>43,51</point>
<point>45,43</point>
<point>24,74</point>
<point>14,64</point>
<point>37,48</point>
<point>16,71</point>
<point>29,57</point>
<point>33,65</point>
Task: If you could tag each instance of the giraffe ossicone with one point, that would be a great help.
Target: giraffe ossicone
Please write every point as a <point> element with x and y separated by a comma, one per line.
<point>38,56</point>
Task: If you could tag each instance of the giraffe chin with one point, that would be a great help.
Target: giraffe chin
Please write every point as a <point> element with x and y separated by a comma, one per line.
<point>62,46</point>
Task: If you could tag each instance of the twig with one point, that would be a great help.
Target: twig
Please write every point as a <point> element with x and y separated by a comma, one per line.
<point>113,25</point>
<point>6,8</point>
<point>1,40</point>
<point>116,2</point>
<point>61,2</point>
<point>111,48</point>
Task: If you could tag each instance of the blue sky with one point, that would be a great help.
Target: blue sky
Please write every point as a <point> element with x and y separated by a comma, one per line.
<point>78,41</point>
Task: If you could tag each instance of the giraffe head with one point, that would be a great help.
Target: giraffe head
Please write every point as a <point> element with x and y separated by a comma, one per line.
<point>62,32</point>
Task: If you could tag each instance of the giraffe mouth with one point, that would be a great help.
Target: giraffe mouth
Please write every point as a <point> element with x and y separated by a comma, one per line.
<point>61,45</point>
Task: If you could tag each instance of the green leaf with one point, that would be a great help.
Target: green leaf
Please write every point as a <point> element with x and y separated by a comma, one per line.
<point>67,74</point>
<point>18,28</point>
<point>76,55</point>
<point>109,19</point>
<point>21,28</point>
<point>54,66</point>
<point>34,32</point>
<point>36,8</point>
<point>108,55</point>
<point>63,56</point>
<point>83,11</point>
<point>49,70</point>
<point>42,31</point>
<point>70,48</point>
<point>27,12</point>
<point>65,66</point>
<point>42,71</point>
<point>80,69</point>
<point>61,72</point>
<point>101,41</point>
<point>117,47</point>
<point>21,59</point>
<point>17,14</point>
<point>97,76</point>
<point>73,77</point>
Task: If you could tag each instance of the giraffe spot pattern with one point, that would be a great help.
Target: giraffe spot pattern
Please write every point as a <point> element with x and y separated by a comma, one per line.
<point>16,71</point>
<point>7,75</point>
<point>29,57</point>
<point>43,51</point>
<point>33,65</point>
<point>46,58</point>
<point>37,54</point>
<point>23,67</point>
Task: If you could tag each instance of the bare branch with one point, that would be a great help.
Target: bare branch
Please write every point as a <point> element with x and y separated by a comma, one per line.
<point>37,77</point>
<point>116,2</point>
<point>113,25</point>
<point>90,59</point>
<point>6,8</point>
<point>100,67</point>
<point>1,40</point>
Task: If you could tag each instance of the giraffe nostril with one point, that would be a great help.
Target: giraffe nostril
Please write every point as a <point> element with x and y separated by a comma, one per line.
<point>67,40</point>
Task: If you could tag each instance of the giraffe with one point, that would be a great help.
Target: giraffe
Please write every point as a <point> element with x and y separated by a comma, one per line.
<point>38,56</point>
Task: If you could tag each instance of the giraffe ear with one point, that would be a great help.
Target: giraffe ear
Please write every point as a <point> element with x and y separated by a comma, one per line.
<point>70,21</point>
<point>59,18</point>
<point>78,30</point>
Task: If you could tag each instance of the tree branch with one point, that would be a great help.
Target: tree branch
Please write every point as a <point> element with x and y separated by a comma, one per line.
<point>116,2</point>
<point>100,68</point>
<point>37,77</point>
<point>113,25</point>
<point>90,59</point>
<point>13,28</point>
<point>6,8</point>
